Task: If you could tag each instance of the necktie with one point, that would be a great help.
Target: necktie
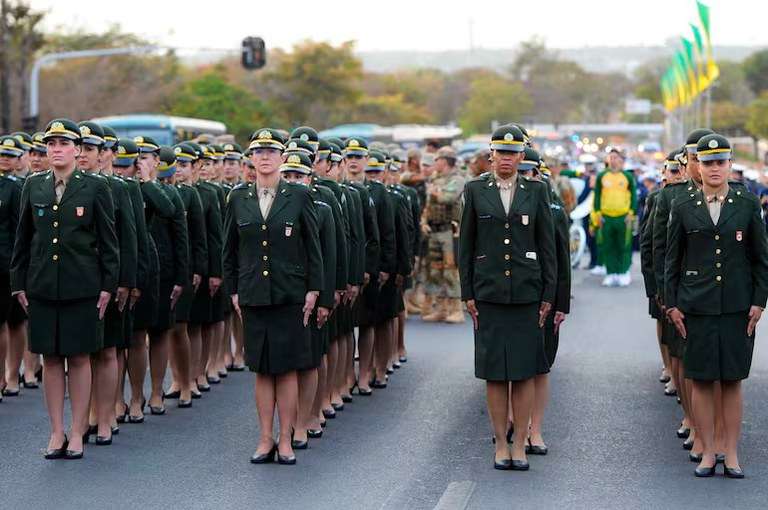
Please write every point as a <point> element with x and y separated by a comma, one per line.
<point>59,189</point>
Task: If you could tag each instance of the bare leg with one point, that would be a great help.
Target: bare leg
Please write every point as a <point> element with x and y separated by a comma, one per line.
<point>180,360</point>
<point>401,351</point>
<point>158,365</point>
<point>332,372</point>
<point>522,401</point>
<point>286,393</point>
<point>79,383</point>
<point>264,391</point>
<point>53,389</point>
<point>212,369</point>
<point>3,353</point>
<point>307,391</point>
<point>541,383</point>
<point>720,433</point>
<point>237,330</point>
<point>733,405</point>
<point>225,356</point>
<point>322,397</point>
<point>497,395</point>
<point>137,371</point>
<point>381,350</point>
<point>17,343</point>
<point>704,407</point>
<point>105,385</point>
<point>120,390</point>
<point>350,367</point>
<point>207,334</point>
<point>340,377</point>
<point>393,340</point>
<point>365,347</point>
<point>195,348</point>
<point>31,364</point>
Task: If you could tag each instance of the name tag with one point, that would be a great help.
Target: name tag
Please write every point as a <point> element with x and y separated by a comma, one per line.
<point>691,273</point>
<point>525,220</point>
<point>484,216</point>
<point>531,254</point>
<point>480,257</point>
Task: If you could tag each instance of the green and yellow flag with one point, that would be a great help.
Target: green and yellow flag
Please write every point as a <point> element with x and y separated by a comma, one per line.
<point>693,80</point>
<point>712,70</point>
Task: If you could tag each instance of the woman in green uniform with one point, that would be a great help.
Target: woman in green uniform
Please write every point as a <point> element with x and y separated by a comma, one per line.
<point>64,270</point>
<point>507,270</point>
<point>274,271</point>
<point>716,283</point>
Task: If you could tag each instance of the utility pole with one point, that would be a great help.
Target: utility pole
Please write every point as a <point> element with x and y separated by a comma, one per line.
<point>5,73</point>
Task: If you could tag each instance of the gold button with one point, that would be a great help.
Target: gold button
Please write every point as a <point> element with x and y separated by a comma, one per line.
<point>698,203</point>
<point>506,241</point>
<point>55,240</point>
<point>718,251</point>
<point>718,265</point>
<point>263,227</point>
<point>55,223</point>
<point>719,278</point>
<point>717,238</point>
<point>506,225</point>
<point>265,257</point>
<point>507,272</point>
<point>265,273</point>
<point>55,207</point>
<point>264,243</point>
<point>506,257</point>
<point>55,257</point>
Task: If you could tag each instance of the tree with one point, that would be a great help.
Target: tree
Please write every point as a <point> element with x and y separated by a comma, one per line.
<point>211,96</point>
<point>729,118</point>
<point>494,98</point>
<point>756,71</point>
<point>388,109</point>
<point>317,84</point>
<point>757,120</point>
<point>732,85</point>
<point>26,39</point>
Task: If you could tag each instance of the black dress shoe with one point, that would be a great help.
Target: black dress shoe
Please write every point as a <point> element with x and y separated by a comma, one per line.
<point>57,453</point>
<point>535,449</point>
<point>329,414</point>
<point>694,457</point>
<point>683,432</point>
<point>11,393</point>
<point>223,375</point>
<point>390,371</point>
<point>364,392</point>
<point>264,458</point>
<point>184,404</point>
<point>378,385</point>
<point>670,393</point>
<point>396,365</point>
<point>30,385</point>
<point>314,434</point>
<point>237,368</point>
<point>203,387</point>
<point>706,472</point>
<point>346,399</point>
<point>213,380</point>
<point>115,430</point>
<point>733,472</point>
<point>688,444</point>
<point>520,465</point>
<point>172,395</point>
<point>73,454</point>
<point>103,441</point>
<point>157,410</point>
<point>299,445</point>
<point>337,407</point>
<point>664,379</point>
<point>196,395</point>
<point>503,464</point>
<point>403,359</point>
<point>286,460</point>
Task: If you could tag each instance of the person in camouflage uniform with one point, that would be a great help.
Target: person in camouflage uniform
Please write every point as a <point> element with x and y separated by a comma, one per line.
<point>440,223</point>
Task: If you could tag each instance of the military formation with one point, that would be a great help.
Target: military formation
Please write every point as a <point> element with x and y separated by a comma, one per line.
<point>704,261</point>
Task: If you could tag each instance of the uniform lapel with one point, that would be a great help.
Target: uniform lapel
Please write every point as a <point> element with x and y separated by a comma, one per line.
<point>728,207</point>
<point>492,195</point>
<point>701,210</point>
<point>254,204</point>
<point>521,195</point>
<point>46,188</point>
<point>76,181</point>
<point>281,199</point>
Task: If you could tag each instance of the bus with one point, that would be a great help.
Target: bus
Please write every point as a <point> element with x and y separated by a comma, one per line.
<point>164,129</point>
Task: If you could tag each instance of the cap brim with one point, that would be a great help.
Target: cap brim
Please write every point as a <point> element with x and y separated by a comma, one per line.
<point>717,156</point>
<point>14,153</point>
<point>123,161</point>
<point>66,135</point>
<point>355,152</point>
<point>503,147</point>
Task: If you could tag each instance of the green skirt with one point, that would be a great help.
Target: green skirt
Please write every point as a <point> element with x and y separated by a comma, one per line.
<point>672,339</point>
<point>114,327</point>
<point>65,328</point>
<point>509,345</point>
<point>276,341</point>
<point>717,347</point>
<point>551,340</point>
<point>183,308</point>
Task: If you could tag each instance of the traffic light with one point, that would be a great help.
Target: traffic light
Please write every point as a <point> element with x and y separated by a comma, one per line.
<point>254,53</point>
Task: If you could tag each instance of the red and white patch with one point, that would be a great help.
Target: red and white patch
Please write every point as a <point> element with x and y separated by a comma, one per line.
<point>525,219</point>
<point>79,211</point>
<point>288,231</point>
<point>739,235</point>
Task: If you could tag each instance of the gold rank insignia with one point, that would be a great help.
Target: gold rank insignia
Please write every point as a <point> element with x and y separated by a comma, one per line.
<point>85,130</point>
<point>57,126</point>
<point>294,158</point>
<point>139,139</point>
<point>265,135</point>
<point>354,143</point>
<point>120,149</point>
<point>509,137</point>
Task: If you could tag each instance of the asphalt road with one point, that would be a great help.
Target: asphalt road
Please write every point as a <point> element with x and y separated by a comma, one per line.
<point>421,443</point>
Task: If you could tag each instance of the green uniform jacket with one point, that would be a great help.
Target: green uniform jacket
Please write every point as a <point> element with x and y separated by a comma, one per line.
<point>10,200</point>
<point>142,239</point>
<point>327,190</point>
<point>327,234</point>
<point>67,250</point>
<point>716,269</point>
<point>662,208</point>
<point>415,210</point>
<point>646,244</point>
<point>172,241</point>
<point>371,228</point>
<point>198,242</point>
<point>385,219</point>
<point>125,228</point>
<point>563,253</point>
<point>504,258</point>
<point>277,260</point>
<point>356,244</point>
<point>213,227</point>
<point>403,235</point>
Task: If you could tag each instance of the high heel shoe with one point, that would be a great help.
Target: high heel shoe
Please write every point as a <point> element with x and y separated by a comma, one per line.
<point>329,414</point>
<point>670,393</point>
<point>688,444</point>
<point>314,433</point>
<point>683,432</point>
<point>91,431</point>
<point>520,465</point>
<point>378,385</point>
<point>693,457</point>
<point>121,418</point>
<point>104,441</point>
<point>300,445</point>
<point>157,410</point>
<point>503,464</point>
<point>346,399</point>
<point>213,380</point>
<point>172,395</point>
<point>57,453</point>
<point>535,449</point>
<point>704,472</point>
<point>185,404</point>
<point>733,472</point>
<point>138,419</point>
<point>286,460</point>
<point>264,458</point>
<point>403,359</point>
<point>337,407</point>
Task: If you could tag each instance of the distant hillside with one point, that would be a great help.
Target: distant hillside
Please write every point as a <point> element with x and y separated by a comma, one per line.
<point>597,59</point>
